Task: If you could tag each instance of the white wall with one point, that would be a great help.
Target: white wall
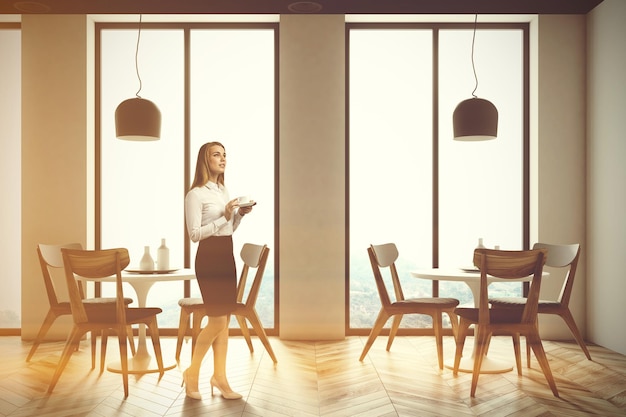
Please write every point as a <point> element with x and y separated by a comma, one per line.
<point>606,180</point>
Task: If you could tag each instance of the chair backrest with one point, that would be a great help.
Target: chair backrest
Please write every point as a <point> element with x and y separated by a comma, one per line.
<point>253,256</point>
<point>512,265</point>
<point>94,264</point>
<point>51,259</point>
<point>385,256</point>
<point>562,256</point>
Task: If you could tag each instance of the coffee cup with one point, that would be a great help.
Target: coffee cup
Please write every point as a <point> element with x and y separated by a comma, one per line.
<point>243,199</point>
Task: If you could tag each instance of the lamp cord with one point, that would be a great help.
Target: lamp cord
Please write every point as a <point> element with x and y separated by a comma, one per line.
<point>473,65</point>
<point>137,59</point>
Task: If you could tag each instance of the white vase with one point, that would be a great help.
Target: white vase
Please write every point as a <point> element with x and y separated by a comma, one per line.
<point>163,257</point>
<point>480,243</point>
<point>146,263</point>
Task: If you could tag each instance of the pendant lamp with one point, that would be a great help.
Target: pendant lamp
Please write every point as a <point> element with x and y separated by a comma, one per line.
<point>137,118</point>
<point>475,119</point>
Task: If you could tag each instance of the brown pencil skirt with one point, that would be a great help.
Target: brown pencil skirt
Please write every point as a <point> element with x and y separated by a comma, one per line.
<point>217,275</point>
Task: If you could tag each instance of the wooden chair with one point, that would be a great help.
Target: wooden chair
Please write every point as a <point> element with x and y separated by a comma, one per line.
<point>253,256</point>
<point>559,256</point>
<point>515,321</point>
<point>51,260</point>
<point>384,256</point>
<point>90,317</point>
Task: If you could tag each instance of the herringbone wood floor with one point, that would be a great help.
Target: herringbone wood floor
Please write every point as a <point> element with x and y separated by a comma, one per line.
<point>318,379</point>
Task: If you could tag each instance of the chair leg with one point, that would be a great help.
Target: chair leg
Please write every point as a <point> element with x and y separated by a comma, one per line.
<point>92,342</point>
<point>104,337</point>
<point>527,354</point>
<point>45,326</point>
<point>260,331</point>
<point>535,343</point>
<point>482,346</point>
<point>378,326</point>
<point>528,345</point>
<point>183,324</point>
<point>488,343</point>
<point>131,340</point>
<point>156,344</point>
<point>438,337</point>
<point>121,337</point>
<point>73,339</point>
<point>569,320</point>
<point>245,331</point>
<point>462,330</point>
<point>454,322</point>
<point>516,349</point>
<point>394,330</point>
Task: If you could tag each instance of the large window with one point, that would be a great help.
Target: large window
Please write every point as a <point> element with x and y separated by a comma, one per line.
<point>211,82</point>
<point>409,182</point>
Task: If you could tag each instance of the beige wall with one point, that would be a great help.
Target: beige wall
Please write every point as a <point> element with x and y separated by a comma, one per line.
<point>312,172</point>
<point>561,154</point>
<point>54,157</point>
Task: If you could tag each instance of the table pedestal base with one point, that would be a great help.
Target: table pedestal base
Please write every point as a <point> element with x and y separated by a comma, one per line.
<point>489,366</point>
<point>139,364</point>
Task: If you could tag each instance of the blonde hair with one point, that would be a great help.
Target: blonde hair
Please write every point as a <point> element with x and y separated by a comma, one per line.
<point>201,176</point>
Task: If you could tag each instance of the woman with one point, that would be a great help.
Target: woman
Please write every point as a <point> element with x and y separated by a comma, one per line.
<point>211,220</point>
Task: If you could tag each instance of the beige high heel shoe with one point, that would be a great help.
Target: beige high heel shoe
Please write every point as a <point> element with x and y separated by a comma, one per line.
<point>229,395</point>
<point>191,394</point>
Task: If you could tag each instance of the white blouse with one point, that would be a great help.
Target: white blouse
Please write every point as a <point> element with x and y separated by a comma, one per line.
<point>204,212</point>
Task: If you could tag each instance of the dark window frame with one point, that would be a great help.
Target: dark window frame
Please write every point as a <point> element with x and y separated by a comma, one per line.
<point>188,159</point>
<point>436,27</point>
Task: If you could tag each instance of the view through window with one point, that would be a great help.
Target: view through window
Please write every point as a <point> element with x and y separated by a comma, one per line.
<point>410,183</point>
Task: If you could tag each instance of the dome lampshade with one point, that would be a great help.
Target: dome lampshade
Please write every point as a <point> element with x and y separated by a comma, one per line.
<point>137,119</point>
<point>475,119</point>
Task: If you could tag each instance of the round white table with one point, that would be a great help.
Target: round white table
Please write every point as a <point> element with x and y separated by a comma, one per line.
<point>472,279</point>
<point>142,362</point>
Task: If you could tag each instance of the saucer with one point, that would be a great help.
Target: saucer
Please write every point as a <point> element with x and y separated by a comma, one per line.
<point>248,204</point>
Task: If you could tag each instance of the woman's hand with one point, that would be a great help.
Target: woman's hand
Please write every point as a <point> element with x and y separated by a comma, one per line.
<point>230,208</point>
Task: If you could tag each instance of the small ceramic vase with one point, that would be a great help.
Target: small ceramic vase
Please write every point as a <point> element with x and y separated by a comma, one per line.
<point>163,257</point>
<point>146,263</point>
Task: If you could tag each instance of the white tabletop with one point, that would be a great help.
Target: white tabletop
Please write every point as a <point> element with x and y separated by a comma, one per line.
<point>142,282</point>
<point>132,277</point>
<point>472,279</point>
<point>446,274</point>
<point>463,275</point>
